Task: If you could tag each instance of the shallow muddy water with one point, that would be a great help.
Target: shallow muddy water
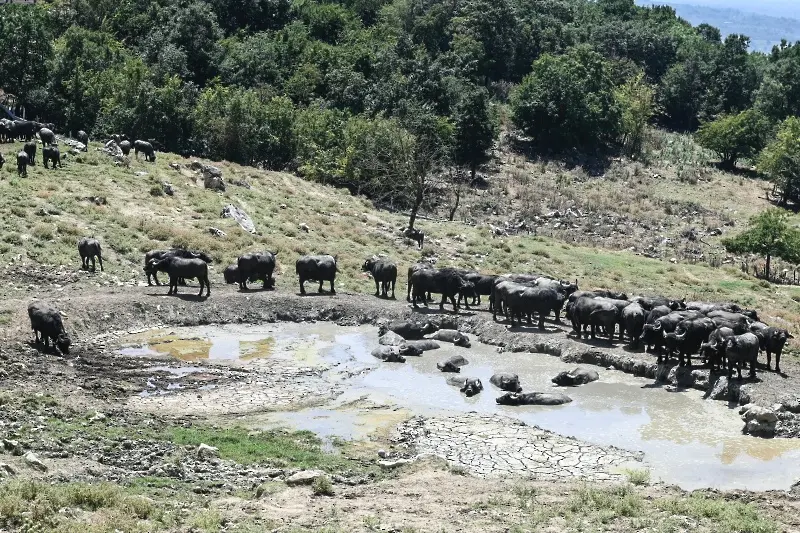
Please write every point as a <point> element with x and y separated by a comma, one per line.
<point>686,440</point>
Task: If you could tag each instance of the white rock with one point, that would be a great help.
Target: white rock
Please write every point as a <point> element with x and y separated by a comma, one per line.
<point>34,462</point>
<point>204,451</point>
<point>306,477</point>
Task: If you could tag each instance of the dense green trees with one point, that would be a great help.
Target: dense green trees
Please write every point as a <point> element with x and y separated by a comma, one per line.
<point>567,101</point>
<point>780,160</point>
<point>316,85</point>
<point>735,136</point>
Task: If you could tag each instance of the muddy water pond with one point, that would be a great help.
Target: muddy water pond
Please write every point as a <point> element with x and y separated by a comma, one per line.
<point>686,440</point>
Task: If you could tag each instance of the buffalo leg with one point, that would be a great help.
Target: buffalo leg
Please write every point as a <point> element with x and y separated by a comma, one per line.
<point>541,321</point>
<point>769,359</point>
<point>100,260</point>
<point>155,277</point>
<point>393,284</point>
<point>378,288</point>
<point>320,286</point>
<point>333,291</point>
<point>778,361</point>
<point>302,289</point>
<point>94,265</point>
<point>455,303</point>
<point>441,304</point>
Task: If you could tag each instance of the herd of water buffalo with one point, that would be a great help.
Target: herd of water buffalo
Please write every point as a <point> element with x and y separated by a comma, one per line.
<point>722,334</point>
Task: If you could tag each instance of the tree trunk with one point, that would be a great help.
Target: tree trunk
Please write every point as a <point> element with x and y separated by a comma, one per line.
<point>766,267</point>
<point>454,208</point>
<point>473,170</point>
<point>417,203</point>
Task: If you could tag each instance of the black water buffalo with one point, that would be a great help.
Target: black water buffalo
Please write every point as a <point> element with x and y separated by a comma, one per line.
<point>533,398</point>
<point>471,387</point>
<point>453,364</point>
<point>125,146</point>
<point>506,382</point>
<point>482,286</point>
<point>25,129</point>
<point>383,272</point>
<point>83,137</point>
<point>653,333</point>
<point>688,337</point>
<point>22,164</point>
<point>650,302</point>
<point>448,282</point>
<point>407,329</point>
<point>656,313</point>
<point>535,300</point>
<point>52,154</point>
<point>5,130</point>
<point>2,161</point>
<point>257,266</point>
<point>632,321</point>
<point>594,313</point>
<point>452,336</point>
<point>178,268</point>
<point>319,268</point>
<point>738,322</point>
<point>713,351</point>
<point>389,354</point>
<point>741,349</point>
<point>146,148</point>
<point>30,149</point>
<point>47,136</point>
<point>89,249</point>
<point>425,344</point>
<point>576,377</point>
<point>175,252</point>
<point>46,321</point>
<point>231,274</point>
<point>774,339</point>
<point>416,235</point>
<point>413,268</point>
<point>605,293</point>
<point>502,291</point>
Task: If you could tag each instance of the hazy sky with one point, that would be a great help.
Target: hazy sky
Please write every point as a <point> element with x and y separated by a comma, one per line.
<point>775,8</point>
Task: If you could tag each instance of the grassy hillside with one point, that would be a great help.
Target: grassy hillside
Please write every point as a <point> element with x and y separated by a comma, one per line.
<point>42,217</point>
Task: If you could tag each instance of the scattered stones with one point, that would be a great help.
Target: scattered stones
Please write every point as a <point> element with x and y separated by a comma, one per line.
<point>238,214</point>
<point>168,189</point>
<point>174,166</point>
<point>97,417</point>
<point>12,447</point>
<point>216,232</point>
<point>720,389</point>
<point>395,463</point>
<point>212,178</point>
<point>304,227</point>
<point>305,477</point>
<point>34,462</point>
<point>576,377</point>
<point>7,470</point>
<point>759,421</point>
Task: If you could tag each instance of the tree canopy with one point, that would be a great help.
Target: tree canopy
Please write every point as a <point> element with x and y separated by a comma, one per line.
<point>769,235</point>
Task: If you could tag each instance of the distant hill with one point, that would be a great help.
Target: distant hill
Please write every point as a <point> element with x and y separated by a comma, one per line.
<point>749,19</point>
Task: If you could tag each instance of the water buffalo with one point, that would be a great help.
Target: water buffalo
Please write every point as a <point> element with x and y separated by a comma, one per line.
<point>178,268</point>
<point>632,322</point>
<point>83,137</point>
<point>738,322</point>
<point>774,341</point>
<point>594,313</point>
<point>453,336</point>
<point>146,148</point>
<point>47,136</point>
<point>319,268</point>
<point>405,350</point>
<point>653,334</point>
<point>687,338</point>
<point>52,154</point>
<point>389,354</point>
<point>713,351</point>
<point>47,321</point>
<point>471,387</point>
<point>482,286</point>
<point>175,252</point>
<point>605,293</point>
<point>424,345</point>
<point>30,149</point>
<point>453,364</point>
<point>506,382</point>
<point>257,266</point>
<point>413,268</point>
<point>533,398</point>
<point>25,129</point>
<point>383,272</point>
<point>448,282</point>
<point>656,313</point>
<point>22,164</point>
<point>416,235</point>
<point>650,302</point>
<point>576,377</point>
<point>535,300</point>
<point>125,146</point>
<point>741,349</point>
<point>408,329</point>
<point>5,130</point>
<point>88,250</point>
<point>231,274</point>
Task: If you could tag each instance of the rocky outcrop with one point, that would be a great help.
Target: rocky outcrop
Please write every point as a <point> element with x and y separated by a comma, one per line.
<point>759,421</point>
<point>238,214</point>
<point>212,178</point>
